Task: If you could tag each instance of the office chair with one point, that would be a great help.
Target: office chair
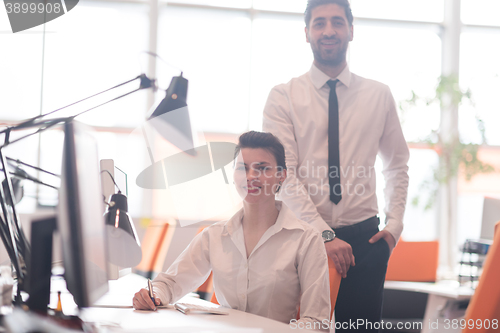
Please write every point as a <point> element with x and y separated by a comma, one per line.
<point>155,245</point>
<point>484,307</point>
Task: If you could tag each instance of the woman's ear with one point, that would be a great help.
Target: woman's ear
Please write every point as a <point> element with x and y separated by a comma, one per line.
<point>283,175</point>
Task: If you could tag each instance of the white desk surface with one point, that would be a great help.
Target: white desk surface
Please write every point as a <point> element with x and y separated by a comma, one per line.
<point>123,318</point>
<point>449,289</point>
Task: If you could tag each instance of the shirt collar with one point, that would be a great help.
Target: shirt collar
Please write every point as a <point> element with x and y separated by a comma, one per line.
<point>319,78</point>
<point>286,220</point>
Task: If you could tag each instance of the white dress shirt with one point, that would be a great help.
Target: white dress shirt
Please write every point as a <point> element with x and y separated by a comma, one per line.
<point>297,112</point>
<point>287,267</point>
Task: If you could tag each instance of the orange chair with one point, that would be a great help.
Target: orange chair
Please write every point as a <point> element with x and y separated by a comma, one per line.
<point>413,261</point>
<point>206,288</point>
<point>484,309</point>
<point>154,244</point>
<point>335,279</point>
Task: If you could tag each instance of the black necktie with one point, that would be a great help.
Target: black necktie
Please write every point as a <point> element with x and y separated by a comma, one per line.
<point>333,144</point>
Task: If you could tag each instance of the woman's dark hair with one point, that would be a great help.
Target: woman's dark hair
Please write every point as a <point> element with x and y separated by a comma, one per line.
<point>311,4</point>
<point>265,141</point>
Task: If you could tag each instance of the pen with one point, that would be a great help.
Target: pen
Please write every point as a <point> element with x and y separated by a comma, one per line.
<point>150,289</point>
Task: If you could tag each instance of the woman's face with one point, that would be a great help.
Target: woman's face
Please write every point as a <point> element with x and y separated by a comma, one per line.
<point>257,175</point>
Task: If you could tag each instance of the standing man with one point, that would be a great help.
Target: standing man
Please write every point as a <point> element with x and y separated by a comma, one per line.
<point>333,124</point>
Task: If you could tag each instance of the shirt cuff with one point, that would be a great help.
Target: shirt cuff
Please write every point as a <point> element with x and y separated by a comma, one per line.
<point>162,292</point>
<point>395,228</point>
<point>320,225</point>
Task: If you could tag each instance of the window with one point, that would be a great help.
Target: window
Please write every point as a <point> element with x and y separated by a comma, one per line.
<point>482,77</point>
<point>211,47</point>
<point>480,12</point>
<point>294,6</point>
<point>279,53</point>
<point>82,59</point>
<point>401,10</point>
<point>409,59</point>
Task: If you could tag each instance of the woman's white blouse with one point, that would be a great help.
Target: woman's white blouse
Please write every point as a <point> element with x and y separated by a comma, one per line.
<point>287,267</point>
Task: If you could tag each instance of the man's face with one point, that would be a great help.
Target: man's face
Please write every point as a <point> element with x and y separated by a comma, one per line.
<point>329,34</point>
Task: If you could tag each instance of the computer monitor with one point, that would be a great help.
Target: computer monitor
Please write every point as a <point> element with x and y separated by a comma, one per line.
<point>80,218</point>
<point>491,215</point>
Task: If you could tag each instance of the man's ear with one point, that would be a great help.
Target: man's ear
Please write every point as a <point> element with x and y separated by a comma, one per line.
<point>307,34</point>
<point>352,33</point>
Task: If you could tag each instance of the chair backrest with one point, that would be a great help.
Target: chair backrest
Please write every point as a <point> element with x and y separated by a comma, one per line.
<point>154,244</point>
<point>335,279</point>
<point>483,311</point>
<point>413,261</point>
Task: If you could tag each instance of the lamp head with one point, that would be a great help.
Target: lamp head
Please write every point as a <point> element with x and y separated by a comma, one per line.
<point>175,98</point>
<point>171,117</point>
<point>124,248</point>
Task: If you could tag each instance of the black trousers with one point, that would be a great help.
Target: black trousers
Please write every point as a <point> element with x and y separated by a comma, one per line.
<point>359,301</point>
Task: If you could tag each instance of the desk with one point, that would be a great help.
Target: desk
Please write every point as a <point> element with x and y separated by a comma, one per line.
<point>130,320</point>
<point>126,319</point>
<point>443,302</point>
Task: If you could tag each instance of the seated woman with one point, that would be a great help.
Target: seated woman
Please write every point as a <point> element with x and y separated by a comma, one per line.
<point>264,260</point>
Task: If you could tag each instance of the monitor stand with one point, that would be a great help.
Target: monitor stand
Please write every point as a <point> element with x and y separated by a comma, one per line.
<point>41,264</point>
<point>40,274</point>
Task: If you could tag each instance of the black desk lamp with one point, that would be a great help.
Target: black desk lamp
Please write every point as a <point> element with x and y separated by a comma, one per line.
<point>11,232</point>
<point>124,248</point>
<point>18,176</point>
<point>170,116</point>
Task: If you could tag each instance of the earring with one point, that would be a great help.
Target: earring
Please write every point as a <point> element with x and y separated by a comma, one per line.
<point>278,188</point>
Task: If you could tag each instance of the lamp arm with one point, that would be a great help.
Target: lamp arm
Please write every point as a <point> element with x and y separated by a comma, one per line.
<point>34,180</point>
<point>52,122</point>
<point>6,238</point>
<point>12,252</point>
<point>11,223</point>
<point>111,100</point>
<point>32,166</point>
<point>47,123</point>
<point>15,219</point>
<point>145,83</point>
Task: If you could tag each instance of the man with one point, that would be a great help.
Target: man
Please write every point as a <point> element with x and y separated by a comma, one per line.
<point>333,124</point>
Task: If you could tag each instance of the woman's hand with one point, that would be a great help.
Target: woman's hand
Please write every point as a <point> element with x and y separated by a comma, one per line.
<point>142,301</point>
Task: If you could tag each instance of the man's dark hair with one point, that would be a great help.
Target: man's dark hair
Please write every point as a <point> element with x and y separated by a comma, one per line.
<point>311,4</point>
<point>265,141</point>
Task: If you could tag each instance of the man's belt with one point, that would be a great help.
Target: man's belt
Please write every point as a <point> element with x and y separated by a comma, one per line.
<point>363,226</point>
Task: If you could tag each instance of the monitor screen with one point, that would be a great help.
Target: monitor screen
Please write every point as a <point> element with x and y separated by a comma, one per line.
<point>491,215</point>
<point>80,216</point>
<point>121,180</point>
